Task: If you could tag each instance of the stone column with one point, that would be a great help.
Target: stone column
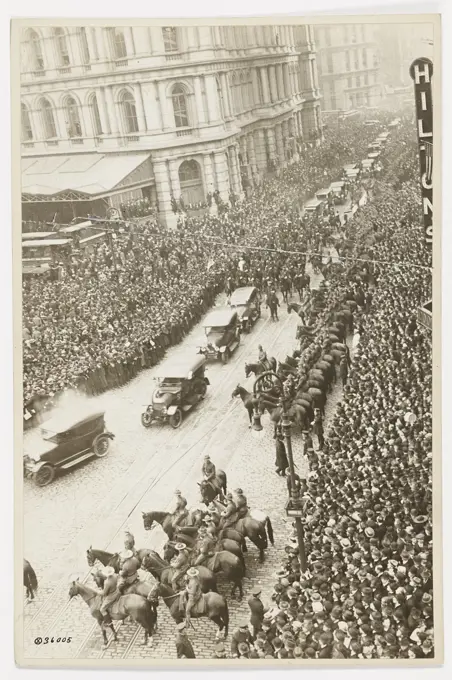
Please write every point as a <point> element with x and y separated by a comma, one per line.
<point>163,192</point>
<point>251,152</point>
<point>280,82</point>
<point>158,46</point>
<point>141,117</point>
<point>174,176</point>
<point>259,146</point>
<point>166,112</point>
<point>279,143</point>
<point>273,85</point>
<point>93,53</point>
<point>142,41</point>
<point>256,92</point>
<point>103,46</point>
<point>112,110</point>
<point>205,37</point>
<point>87,121</point>
<point>103,113</point>
<point>150,104</point>
<point>236,184</point>
<point>271,142</point>
<point>36,124</point>
<point>225,91</point>
<point>61,123</point>
<point>209,174</point>
<point>199,104</point>
<point>222,175</point>
<point>128,39</point>
<point>265,85</point>
<point>212,99</point>
<point>286,80</point>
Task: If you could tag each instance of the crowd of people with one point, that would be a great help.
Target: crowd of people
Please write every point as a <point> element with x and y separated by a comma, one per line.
<point>117,310</point>
<point>368,591</point>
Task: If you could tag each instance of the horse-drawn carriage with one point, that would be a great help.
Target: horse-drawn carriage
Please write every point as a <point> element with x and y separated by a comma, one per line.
<point>247,304</point>
<point>222,329</point>
<point>182,385</point>
<point>66,441</point>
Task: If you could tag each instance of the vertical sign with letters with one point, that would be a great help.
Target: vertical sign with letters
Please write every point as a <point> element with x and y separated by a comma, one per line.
<point>421,71</point>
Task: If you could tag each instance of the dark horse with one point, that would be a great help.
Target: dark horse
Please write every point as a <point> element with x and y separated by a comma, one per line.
<point>163,572</point>
<point>296,307</point>
<point>140,610</point>
<point>217,487</point>
<point>249,527</point>
<point>111,559</point>
<point>30,580</point>
<point>223,562</point>
<point>248,399</point>
<point>258,368</point>
<point>186,534</point>
<point>212,605</point>
<point>142,588</point>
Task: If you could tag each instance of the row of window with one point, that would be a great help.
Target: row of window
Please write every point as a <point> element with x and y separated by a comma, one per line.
<point>47,115</point>
<point>234,37</point>
<point>118,45</point>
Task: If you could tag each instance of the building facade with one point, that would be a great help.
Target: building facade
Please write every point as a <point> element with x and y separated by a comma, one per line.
<point>114,114</point>
<point>349,66</point>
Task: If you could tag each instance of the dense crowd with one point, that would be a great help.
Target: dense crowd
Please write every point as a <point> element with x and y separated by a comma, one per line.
<point>117,310</point>
<point>368,591</point>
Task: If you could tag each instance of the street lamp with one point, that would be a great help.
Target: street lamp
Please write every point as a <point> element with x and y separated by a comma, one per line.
<point>294,506</point>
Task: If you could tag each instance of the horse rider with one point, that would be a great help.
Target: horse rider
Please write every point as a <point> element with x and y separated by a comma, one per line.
<point>129,542</point>
<point>180,563</point>
<point>194,591</point>
<point>289,387</point>
<point>208,470</point>
<point>206,546</point>
<point>241,504</point>
<point>230,514</point>
<point>110,592</point>
<point>180,511</point>
<point>128,569</point>
<point>263,359</point>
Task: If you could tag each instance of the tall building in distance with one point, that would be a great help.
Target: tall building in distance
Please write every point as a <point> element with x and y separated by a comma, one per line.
<point>115,114</point>
<point>349,66</point>
<point>399,46</point>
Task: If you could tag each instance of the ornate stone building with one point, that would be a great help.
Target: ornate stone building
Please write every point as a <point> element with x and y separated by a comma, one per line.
<point>113,114</point>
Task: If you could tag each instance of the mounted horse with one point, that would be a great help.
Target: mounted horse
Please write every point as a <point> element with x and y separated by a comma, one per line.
<point>248,399</point>
<point>215,487</point>
<point>258,367</point>
<point>222,562</point>
<point>30,581</point>
<point>186,532</point>
<point>135,606</point>
<point>211,605</point>
<point>250,527</point>
<point>142,588</point>
<point>111,559</point>
<point>164,572</point>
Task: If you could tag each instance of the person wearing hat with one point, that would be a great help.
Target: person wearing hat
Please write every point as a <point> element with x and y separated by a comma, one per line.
<point>129,542</point>
<point>180,563</point>
<point>208,470</point>
<point>128,569</point>
<point>220,650</point>
<point>239,636</point>
<point>241,504</point>
<point>110,592</point>
<point>206,546</point>
<point>194,591</point>
<point>317,427</point>
<point>180,511</point>
<point>184,647</point>
<point>281,462</point>
<point>257,610</point>
<point>230,514</point>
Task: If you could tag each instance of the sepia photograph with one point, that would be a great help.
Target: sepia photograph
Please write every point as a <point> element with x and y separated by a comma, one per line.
<point>227,295</point>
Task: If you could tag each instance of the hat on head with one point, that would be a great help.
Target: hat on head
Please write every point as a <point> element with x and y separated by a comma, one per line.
<point>206,457</point>
<point>126,554</point>
<point>178,493</point>
<point>180,546</point>
<point>108,571</point>
<point>181,626</point>
<point>243,625</point>
<point>243,648</point>
<point>192,572</point>
<point>220,648</point>
<point>256,590</point>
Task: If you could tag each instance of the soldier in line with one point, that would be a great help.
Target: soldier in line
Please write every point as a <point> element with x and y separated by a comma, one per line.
<point>184,647</point>
<point>257,610</point>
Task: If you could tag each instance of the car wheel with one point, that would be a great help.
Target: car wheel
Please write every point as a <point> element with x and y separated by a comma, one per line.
<point>202,389</point>
<point>44,475</point>
<point>146,419</point>
<point>225,355</point>
<point>101,446</point>
<point>176,419</point>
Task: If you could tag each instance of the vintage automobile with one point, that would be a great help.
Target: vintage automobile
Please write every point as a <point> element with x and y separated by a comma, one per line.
<point>247,304</point>
<point>222,329</point>
<point>339,192</point>
<point>181,385</point>
<point>313,206</point>
<point>66,440</point>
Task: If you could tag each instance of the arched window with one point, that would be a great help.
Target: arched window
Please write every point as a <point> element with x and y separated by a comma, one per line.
<point>170,38</point>
<point>27,132</point>
<point>74,128</point>
<point>84,47</point>
<point>129,112</point>
<point>179,97</point>
<point>48,120</point>
<point>61,46</point>
<point>119,44</point>
<point>95,115</point>
<point>36,50</point>
<point>191,184</point>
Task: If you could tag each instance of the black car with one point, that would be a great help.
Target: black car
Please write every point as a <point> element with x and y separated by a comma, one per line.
<point>66,441</point>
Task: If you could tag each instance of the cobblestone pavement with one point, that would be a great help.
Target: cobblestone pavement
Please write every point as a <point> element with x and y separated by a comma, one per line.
<point>95,503</point>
